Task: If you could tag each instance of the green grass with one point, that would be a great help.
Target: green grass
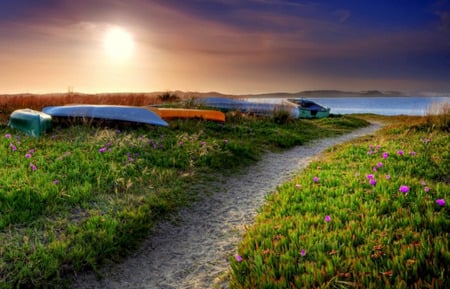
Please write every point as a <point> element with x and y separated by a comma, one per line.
<point>82,195</point>
<point>344,232</point>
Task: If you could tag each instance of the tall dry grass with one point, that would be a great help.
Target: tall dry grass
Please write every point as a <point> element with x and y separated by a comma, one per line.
<point>438,116</point>
<point>9,103</point>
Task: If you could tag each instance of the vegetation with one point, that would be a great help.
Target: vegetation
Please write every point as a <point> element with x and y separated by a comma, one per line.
<point>372,213</point>
<point>84,194</point>
<point>9,103</point>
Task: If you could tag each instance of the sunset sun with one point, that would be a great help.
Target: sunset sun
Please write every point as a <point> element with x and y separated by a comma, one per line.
<point>118,43</point>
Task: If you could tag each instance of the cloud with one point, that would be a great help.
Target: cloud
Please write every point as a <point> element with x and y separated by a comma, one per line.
<point>342,15</point>
<point>444,24</point>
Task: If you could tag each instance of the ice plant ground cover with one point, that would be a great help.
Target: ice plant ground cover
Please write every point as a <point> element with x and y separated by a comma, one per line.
<point>358,227</point>
<point>83,195</point>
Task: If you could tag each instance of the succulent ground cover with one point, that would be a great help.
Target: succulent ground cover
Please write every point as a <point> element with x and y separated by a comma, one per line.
<point>85,194</point>
<point>373,213</point>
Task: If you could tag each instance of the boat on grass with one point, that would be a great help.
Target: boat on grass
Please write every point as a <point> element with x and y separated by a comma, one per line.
<point>32,122</point>
<point>256,108</point>
<point>167,113</point>
<point>106,112</point>
<point>309,109</point>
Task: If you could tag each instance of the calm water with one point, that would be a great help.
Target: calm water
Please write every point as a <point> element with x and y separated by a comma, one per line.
<point>376,105</point>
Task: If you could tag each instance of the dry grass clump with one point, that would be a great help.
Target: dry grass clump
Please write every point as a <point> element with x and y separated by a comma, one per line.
<point>438,116</point>
<point>9,103</point>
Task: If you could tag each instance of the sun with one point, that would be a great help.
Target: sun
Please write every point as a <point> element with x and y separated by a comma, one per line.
<point>118,43</point>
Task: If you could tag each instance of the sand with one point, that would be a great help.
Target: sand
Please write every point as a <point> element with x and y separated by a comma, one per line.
<point>195,252</point>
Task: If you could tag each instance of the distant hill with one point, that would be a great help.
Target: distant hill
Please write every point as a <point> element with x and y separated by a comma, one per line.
<point>330,93</point>
<point>193,94</point>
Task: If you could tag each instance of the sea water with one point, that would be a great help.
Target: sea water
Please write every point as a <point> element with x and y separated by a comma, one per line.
<point>376,105</point>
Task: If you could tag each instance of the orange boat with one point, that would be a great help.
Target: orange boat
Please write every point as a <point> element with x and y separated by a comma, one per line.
<point>173,113</point>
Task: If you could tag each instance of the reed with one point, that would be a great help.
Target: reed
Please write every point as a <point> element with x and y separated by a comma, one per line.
<point>438,116</point>
<point>9,103</point>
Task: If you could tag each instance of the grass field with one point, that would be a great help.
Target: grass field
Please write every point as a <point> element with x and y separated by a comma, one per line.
<point>85,194</point>
<point>372,213</point>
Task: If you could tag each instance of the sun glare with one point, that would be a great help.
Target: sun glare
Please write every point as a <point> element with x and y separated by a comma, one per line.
<point>118,43</point>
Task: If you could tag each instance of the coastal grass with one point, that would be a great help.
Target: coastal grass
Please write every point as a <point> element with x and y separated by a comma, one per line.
<point>372,213</point>
<point>84,195</point>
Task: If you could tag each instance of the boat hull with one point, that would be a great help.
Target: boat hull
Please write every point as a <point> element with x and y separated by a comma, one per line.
<point>306,113</point>
<point>31,122</point>
<point>263,109</point>
<point>309,109</point>
<point>107,112</point>
<point>174,113</point>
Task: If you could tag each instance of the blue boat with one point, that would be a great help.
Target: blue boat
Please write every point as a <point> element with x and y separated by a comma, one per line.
<point>256,108</point>
<point>106,112</point>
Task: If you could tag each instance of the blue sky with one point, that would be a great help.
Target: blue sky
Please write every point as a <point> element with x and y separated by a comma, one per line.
<point>229,46</point>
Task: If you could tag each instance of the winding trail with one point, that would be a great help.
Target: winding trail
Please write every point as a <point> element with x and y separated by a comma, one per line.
<point>195,253</point>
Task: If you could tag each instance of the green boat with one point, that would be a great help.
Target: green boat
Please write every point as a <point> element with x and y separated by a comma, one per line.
<point>309,109</point>
<point>31,122</point>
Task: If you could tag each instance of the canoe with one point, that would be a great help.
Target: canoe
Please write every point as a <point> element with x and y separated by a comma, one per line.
<point>256,108</point>
<point>174,113</point>
<point>309,109</point>
<point>31,122</point>
<point>106,112</point>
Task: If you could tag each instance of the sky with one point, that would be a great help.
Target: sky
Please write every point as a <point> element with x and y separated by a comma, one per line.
<point>229,46</point>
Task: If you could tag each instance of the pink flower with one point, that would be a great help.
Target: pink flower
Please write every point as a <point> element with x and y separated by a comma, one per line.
<point>372,182</point>
<point>102,150</point>
<point>56,182</point>
<point>13,147</point>
<point>388,177</point>
<point>374,169</point>
<point>426,189</point>
<point>412,153</point>
<point>400,152</point>
<point>440,202</point>
<point>370,176</point>
<point>28,156</point>
<point>8,135</point>
<point>385,155</point>
<point>316,179</point>
<point>380,164</point>
<point>423,183</point>
<point>238,258</point>
<point>327,218</point>
<point>203,143</point>
<point>404,189</point>
<point>33,167</point>
<point>303,252</point>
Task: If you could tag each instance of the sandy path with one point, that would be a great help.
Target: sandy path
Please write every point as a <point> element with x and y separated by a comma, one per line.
<point>195,253</point>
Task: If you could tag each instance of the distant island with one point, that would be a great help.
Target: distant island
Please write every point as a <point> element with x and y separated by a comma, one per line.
<point>331,93</point>
<point>193,94</point>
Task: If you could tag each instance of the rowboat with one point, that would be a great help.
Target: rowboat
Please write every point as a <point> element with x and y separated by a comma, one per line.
<point>309,109</point>
<point>256,108</point>
<point>31,122</point>
<point>174,113</point>
<point>106,112</point>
